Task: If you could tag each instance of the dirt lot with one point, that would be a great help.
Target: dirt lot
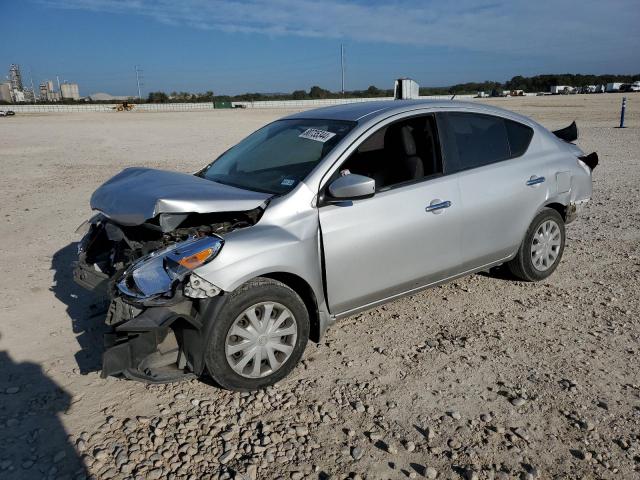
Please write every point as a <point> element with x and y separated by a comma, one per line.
<point>486,377</point>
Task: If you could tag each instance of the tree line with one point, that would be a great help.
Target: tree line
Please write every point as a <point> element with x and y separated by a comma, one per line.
<point>537,83</point>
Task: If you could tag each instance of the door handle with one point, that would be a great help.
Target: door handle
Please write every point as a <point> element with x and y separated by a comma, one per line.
<point>535,180</point>
<point>436,206</point>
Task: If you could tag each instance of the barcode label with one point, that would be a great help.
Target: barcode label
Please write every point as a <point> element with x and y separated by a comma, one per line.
<point>317,135</point>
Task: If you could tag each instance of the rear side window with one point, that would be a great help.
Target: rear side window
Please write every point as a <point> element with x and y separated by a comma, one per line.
<point>473,140</point>
<point>519,137</point>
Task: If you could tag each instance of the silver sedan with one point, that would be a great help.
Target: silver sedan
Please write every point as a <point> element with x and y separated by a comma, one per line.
<point>314,217</point>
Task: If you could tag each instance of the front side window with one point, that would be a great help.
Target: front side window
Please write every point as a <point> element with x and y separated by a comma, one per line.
<point>277,157</point>
<point>401,152</point>
<point>473,140</point>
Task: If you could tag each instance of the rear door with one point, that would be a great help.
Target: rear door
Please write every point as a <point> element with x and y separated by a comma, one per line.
<point>501,184</point>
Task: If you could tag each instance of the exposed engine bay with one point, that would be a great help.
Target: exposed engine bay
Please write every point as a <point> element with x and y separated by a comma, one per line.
<point>157,301</point>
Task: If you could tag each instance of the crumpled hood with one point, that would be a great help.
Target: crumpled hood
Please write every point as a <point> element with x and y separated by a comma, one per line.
<point>139,194</point>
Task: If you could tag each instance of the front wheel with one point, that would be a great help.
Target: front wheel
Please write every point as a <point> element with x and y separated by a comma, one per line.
<point>258,337</point>
<point>542,247</point>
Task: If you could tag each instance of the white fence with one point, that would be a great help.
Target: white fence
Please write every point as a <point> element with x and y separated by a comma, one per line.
<point>107,107</point>
<point>177,107</point>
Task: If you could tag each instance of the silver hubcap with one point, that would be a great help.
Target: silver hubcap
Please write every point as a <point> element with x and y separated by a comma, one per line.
<point>261,339</point>
<point>545,245</point>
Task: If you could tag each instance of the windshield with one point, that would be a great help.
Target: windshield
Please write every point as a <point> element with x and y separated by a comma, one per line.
<point>279,156</point>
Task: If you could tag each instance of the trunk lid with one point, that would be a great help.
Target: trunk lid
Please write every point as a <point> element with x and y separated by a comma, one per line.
<point>136,195</point>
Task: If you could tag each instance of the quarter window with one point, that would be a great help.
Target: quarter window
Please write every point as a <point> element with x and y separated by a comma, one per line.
<point>519,137</point>
<point>473,140</point>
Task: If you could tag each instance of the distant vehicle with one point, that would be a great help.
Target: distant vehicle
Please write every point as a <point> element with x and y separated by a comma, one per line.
<point>124,107</point>
<point>7,113</point>
<point>516,93</point>
<point>562,89</point>
<point>630,87</point>
<point>613,87</point>
<point>316,217</point>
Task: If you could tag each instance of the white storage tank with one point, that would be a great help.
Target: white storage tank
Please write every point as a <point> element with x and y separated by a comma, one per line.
<point>5,92</point>
<point>70,90</point>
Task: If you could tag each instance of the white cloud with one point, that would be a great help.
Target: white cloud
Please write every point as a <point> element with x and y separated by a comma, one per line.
<point>549,28</point>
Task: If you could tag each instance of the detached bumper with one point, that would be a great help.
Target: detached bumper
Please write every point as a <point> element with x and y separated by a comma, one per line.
<point>89,278</point>
<point>145,347</point>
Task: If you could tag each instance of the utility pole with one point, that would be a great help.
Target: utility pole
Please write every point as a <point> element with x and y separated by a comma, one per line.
<point>342,65</point>
<point>138,79</point>
<point>32,89</point>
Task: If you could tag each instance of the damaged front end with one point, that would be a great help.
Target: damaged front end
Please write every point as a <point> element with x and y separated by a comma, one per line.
<point>149,272</point>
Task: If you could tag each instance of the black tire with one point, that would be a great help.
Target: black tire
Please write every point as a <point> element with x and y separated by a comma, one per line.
<point>522,265</point>
<point>254,291</point>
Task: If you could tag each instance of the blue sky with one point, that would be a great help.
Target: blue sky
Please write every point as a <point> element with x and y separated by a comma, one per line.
<point>282,45</point>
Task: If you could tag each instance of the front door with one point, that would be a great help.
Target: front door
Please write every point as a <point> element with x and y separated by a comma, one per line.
<point>395,241</point>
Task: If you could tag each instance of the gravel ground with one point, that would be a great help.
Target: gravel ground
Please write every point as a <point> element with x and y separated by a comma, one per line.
<point>486,377</point>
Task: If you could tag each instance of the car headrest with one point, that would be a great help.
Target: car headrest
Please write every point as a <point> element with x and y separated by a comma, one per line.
<point>407,140</point>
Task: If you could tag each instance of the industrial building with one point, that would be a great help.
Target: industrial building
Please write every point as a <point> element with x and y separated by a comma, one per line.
<point>15,78</point>
<point>15,91</point>
<point>18,96</point>
<point>29,95</point>
<point>43,91</point>
<point>48,93</point>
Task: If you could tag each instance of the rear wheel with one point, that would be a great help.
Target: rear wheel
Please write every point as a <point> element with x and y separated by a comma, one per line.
<point>258,337</point>
<point>542,248</point>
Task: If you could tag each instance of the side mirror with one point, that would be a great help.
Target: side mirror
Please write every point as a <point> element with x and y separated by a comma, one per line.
<point>352,186</point>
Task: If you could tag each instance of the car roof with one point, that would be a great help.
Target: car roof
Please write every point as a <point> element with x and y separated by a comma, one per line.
<point>359,110</point>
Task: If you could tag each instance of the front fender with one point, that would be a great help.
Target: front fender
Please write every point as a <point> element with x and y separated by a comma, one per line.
<point>266,249</point>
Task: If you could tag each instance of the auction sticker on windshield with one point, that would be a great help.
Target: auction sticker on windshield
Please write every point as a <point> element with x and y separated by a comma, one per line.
<point>317,134</point>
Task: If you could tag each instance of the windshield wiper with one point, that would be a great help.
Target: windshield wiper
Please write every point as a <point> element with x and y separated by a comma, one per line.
<point>242,187</point>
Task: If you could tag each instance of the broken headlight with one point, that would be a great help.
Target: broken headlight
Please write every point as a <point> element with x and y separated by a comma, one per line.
<point>156,274</point>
